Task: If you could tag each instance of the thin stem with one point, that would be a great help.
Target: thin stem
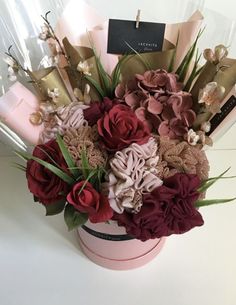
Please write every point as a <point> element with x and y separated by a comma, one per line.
<point>53,34</point>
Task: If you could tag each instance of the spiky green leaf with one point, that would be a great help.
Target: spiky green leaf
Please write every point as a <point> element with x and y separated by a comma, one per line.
<point>74,218</point>
<point>96,85</point>
<point>55,170</point>
<point>206,184</point>
<point>206,202</point>
<point>55,208</point>
<point>69,161</point>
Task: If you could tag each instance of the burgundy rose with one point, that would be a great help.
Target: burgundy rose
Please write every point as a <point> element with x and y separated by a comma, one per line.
<point>97,110</point>
<point>90,201</point>
<point>168,209</point>
<point>46,186</point>
<point>120,127</point>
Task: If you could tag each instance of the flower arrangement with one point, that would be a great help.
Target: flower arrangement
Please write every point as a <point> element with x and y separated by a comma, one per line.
<point>126,146</point>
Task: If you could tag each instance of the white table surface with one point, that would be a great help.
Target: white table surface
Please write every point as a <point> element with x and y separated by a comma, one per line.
<point>41,263</point>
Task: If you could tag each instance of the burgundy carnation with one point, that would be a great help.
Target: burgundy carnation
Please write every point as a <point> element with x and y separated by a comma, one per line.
<point>90,201</point>
<point>120,127</point>
<point>97,110</point>
<point>46,186</point>
<point>168,209</point>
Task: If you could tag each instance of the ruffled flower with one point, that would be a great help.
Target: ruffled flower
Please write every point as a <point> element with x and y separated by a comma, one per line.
<point>60,119</point>
<point>85,138</point>
<point>133,172</point>
<point>181,157</point>
<point>168,209</point>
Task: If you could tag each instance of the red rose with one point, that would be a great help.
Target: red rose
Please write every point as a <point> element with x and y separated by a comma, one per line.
<point>97,110</point>
<point>90,201</point>
<point>46,186</point>
<point>120,127</point>
<point>168,209</point>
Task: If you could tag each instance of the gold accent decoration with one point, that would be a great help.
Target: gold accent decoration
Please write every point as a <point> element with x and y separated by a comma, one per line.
<point>49,79</point>
<point>36,118</point>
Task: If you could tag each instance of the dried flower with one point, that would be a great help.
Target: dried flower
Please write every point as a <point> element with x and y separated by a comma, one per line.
<point>45,32</point>
<point>206,126</point>
<point>47,107</point>
<point>13,68</point>
<point>180,157</point>
<point>192,137</point>
<point>84,67</point>
<point>83,97</point>
<point>53,94</point>
<point>36,118</point>
<point>220,52</point>
<point>211,96</point>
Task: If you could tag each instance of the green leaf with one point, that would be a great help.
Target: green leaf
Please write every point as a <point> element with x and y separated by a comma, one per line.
<point>74,218</point>
<point>117,71</point>
<point>104,76</point>
<point>96,85</point>
<point>146,64</point>
<point>19,154</point>
<point>90,175</point>
<point>55,208</point>
<point>18,166</point>
<point>85,164</point>
<point>184,66</point>
<point>55,170</point>
<point>205,202</point>
<point>194,73</point>
<point>207,183</point>
<point>69,161</point>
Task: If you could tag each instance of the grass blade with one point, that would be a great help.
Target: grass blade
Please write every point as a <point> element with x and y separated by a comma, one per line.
<point>203,203</point>
<point>96,85</point>
<point>55,170</point>
<point>69,161</point>
<point>207,183</point>
<point>146,64</point>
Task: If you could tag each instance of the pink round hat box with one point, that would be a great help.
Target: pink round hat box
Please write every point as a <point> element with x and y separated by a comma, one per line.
<point>109,246</point>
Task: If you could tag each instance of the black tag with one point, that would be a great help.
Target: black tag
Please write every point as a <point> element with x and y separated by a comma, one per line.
<point>122,34</point>
<point>225,111</point>
<point>106,236</point>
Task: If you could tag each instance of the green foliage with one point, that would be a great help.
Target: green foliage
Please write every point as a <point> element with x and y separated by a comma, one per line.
<point>107,85</point>
<point>205,202</point>
<point>96,86</point>
<point>92,175</point>
<point>116,74</point>
<point>209,182</point>
<point>185,64</point>
<point>74,218</point>
<point>55,170</point>
<point>195,72</point>
<point>19,166</point>
<point>69,161</point>
<point>146,64</point>
<point>55,208</point>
